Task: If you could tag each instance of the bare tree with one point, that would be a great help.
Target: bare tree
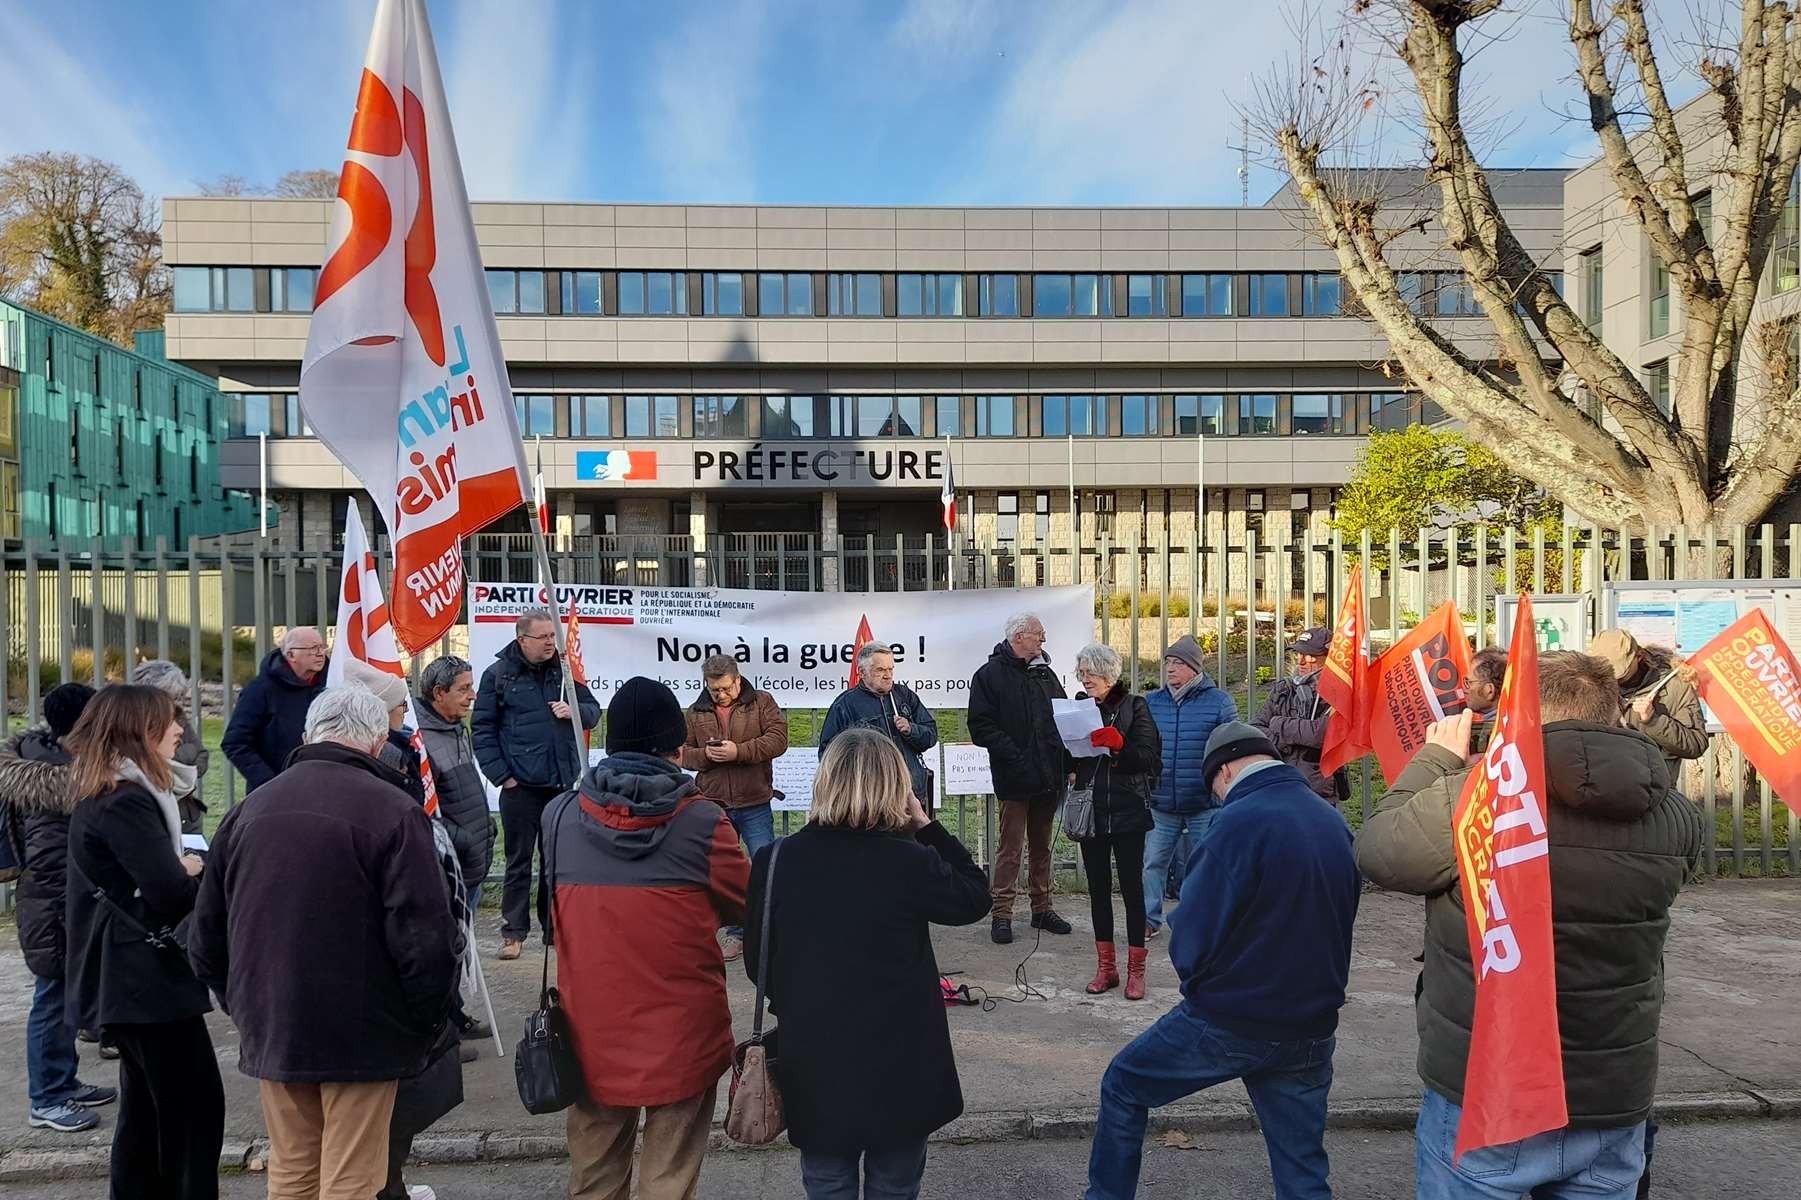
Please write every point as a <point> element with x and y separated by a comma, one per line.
<point>80,241</point>
<point>1558,404</point>
<point>229,185</point>
<point>314,184</point>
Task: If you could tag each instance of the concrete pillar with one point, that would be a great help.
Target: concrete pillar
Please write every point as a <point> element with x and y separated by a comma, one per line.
<point>697,535</point>
<point>1062,538</point>
<point>831,576</point>
<point>1181,539</point>
<point>1237,530</point>
<point>562,520</point>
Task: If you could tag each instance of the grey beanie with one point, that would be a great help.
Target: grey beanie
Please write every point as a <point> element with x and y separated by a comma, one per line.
<point>1187,650</point>
<point>1231,741</point>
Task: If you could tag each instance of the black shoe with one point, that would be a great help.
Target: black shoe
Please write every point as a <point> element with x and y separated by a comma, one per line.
<point>1001,931</point>
<point>108,1050</point>
<point>86,1035</point>
<point>1050,922</point>
<point>466,1052</point>
<point>473,1029</point>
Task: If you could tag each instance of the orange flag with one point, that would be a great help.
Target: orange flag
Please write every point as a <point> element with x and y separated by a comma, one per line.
<point>864,637</point>
<point>1513,1087</point>
<point>1344,681</point>
<point>572,639</point>
<point>1749,677</point>
<point>1419,680</point>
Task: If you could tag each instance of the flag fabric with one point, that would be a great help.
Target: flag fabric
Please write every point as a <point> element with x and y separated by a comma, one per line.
<point>365,632</point>
<point>1513,1086</point>
<point>1417,681</point>
<point>572,650</point>
<point>864,637</point>
<point>948,497</point>
<point>403,378</point>
<point>1750,679</point>
<point>1344,681</point>
<point>540,505</point>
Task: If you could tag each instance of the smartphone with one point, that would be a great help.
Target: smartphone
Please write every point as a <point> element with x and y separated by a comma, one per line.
<point>715,742</point>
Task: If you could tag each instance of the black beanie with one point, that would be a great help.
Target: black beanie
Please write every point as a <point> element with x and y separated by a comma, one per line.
<point>63,707</point>
<point>1233,740</point>
<point>644,716</point>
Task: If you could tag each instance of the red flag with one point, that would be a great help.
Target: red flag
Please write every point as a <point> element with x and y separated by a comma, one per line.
<point>947,496</point>
<point>1749,677</point>
<point>1418,681</point>
<point>1513,1085</point>
<point>1344,681</point>
<point>572,650</point>
<point>864,637</point>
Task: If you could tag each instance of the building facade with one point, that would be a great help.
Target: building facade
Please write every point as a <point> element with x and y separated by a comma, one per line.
<point>706,372</point>
<point>97,441</point>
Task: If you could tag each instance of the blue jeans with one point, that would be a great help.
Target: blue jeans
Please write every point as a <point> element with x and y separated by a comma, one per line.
<point>1166,828</point>
<point>1182,1054</point>
<point>756,825</point>
<point>889,1174</point>
<point>50,1056</point>
<point>1593,1164</point>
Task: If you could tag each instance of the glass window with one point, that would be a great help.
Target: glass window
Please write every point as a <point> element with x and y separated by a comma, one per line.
<point>994,416</point>
<point>1659,323</point>
<point>537,416</point>
<point>590,416</point>
<point>1257,413</point>
<point>531,291</point>
<point>652,293</point>
<point>240,290</point>
<point>722,294</point>
<point>1456,298</point>
<point>1657,382</point>
<point>581,293</point>
<point>1594,288</point>
<point>720,417</point>
<point>929,295</point>
<point>1006,519</point>
<point>907,417</point>
<point>1413,287</point>
<point>1199,414</point>
<point>291,289</point>
<point>999,295</point>
<point>295,425</point>
<point>651,416</point>
<point>787,417</point>
<point>1321,296</point>
<point>1390,410</point>
<point>1078,416</point>
<point>1269,295</point>
<point>1318,412</point>
<point>193,289</point>
<point>1785,256</point>
<point>1703,205</point>
<point>1138,416</point>
<point>785,294</point>
<point>1147,296</point>
<point>950,416</point>
<point>1072,296</point>
<point>854,295</point>
<point>875,416</point>
<point>1207,295</point>
<point>1041,512</point>
<point>503,291</point>
<point>250,415</point>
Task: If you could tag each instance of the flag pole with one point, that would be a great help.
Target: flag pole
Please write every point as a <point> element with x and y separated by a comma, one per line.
<point>950,535</point>
<point>542,544</point>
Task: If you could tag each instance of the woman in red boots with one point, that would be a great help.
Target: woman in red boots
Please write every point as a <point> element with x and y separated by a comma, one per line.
<point>1122,778</point>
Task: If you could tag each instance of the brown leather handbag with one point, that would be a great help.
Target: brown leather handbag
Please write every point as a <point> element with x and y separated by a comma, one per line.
<point>753,1111</point>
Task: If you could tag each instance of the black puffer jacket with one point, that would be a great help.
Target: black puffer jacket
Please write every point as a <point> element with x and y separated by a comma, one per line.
<point>1621,843</point>
<point>1010,717</point>
<point>270,717</point>
<point>34,784</point>
<point>462,801</point>
<point>516,734</point>
<point>1123,781</point>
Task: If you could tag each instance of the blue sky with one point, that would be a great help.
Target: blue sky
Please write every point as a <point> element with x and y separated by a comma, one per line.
<point>804,101</point>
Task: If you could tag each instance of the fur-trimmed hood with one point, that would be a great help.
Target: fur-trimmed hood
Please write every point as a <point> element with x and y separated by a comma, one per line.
<point>35,774</point>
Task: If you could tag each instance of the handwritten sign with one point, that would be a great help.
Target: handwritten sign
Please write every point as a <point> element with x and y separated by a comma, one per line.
<point>966,771</point>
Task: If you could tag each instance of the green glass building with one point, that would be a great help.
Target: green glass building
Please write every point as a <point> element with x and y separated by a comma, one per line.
<point>97,441</point>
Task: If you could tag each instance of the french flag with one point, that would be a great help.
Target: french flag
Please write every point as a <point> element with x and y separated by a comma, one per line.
<point>541,504</point>
<point>949,497</point>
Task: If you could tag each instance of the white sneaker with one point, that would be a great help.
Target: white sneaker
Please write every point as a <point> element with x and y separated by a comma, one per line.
<point>418,1191</point>
<point>733,947</point>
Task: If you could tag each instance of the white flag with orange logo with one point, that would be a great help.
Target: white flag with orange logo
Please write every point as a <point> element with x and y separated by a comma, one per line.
<point>403,377</point>
<point>365,632</point>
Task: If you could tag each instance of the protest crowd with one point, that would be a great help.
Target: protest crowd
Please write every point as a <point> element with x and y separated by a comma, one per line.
<point>658,866</point>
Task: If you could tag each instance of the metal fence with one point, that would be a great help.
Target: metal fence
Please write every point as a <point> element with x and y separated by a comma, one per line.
<point>216,607</point>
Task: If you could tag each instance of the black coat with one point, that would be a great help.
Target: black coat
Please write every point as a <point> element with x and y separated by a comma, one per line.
<point>1010,717</point>
<point>516,734</point>
<point>462,801</point>
<point>1123,784</point>
<point>270,717</point>
<point>1295,719</point>
<point>324,927</point>
<point>34,787</point>
<point>865,1051</point>
<point>118,841</point>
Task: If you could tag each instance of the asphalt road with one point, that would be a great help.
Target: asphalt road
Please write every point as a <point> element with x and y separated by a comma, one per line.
<point>1694,1161</point>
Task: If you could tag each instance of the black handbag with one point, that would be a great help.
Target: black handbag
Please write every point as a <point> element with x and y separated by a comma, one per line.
<point>545,1067</point>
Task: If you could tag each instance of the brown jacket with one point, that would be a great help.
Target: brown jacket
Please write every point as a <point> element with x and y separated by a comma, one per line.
<point>760,729</point>
<point>1677,726</point>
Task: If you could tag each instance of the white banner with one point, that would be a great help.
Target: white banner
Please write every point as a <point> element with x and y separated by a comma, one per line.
<point>797,646</point>
<point>966,771</point>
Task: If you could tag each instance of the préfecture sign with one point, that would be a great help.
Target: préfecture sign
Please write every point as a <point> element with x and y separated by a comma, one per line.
<point>1344,681</point>
<point>403,378</point>
<point>1750,679</point>
<point>1513,1086</point>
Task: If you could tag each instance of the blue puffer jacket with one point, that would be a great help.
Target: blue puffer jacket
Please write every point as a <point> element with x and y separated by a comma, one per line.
<point>1185,728</point>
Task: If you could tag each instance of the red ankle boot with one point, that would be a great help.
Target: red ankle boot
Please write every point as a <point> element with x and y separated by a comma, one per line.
<point>1106,975</point>
<point>1134,972</point>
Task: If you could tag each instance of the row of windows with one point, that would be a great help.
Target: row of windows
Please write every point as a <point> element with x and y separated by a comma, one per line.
<point>860,294</point>
<point>1053,415</point>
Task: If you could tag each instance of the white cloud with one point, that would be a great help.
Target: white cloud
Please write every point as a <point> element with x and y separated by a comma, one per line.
<point>939,30</point>
<point>698,120</point>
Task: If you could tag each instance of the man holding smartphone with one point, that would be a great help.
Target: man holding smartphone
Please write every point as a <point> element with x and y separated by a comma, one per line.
<point>877,702</point>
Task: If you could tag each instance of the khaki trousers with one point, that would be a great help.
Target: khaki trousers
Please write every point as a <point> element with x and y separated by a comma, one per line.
<point>675,1140</point>
<point>327,1141</point>
<point>1023,824</point>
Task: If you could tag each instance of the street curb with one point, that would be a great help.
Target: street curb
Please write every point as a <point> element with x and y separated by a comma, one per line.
<point>1228,1116</point>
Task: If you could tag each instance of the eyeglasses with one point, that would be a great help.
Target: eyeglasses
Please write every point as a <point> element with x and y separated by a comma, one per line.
<point>539,637</point>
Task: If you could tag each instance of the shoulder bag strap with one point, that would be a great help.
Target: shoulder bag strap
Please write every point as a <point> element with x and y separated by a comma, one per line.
<point>547,849</point>
<point>756,1025</point>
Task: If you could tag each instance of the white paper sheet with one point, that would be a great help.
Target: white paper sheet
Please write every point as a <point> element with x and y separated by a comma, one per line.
<point>1076,719</point>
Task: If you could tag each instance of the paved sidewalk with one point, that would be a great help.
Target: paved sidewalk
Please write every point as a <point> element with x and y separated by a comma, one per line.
<point>1032,1069</point>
